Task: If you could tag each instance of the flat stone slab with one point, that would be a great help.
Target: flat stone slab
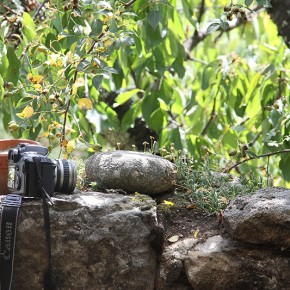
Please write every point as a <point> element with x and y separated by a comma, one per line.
<point>131,171</point>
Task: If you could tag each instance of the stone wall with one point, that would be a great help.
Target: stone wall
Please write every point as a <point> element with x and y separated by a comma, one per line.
<point>253,252</point>
<point>112,241</point>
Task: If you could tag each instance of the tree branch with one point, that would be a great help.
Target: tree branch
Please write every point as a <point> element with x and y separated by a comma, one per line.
<point>199,36</point>
<point>39,9</point>
<point>258,156</point>
<point>126,5</point>
<point>8,9</point>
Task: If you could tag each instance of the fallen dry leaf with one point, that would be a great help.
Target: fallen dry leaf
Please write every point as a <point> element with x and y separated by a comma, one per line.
<point>173,239</point>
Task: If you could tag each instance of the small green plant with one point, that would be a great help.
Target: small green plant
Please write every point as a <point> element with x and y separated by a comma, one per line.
<point>200,184</point>
<point>81,174</point>
<point>199,187</point>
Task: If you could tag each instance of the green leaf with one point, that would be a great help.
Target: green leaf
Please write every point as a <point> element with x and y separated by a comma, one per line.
<point>252,154</point>
<point>154,18</point>
<point>130,116</point>
<point>124,97</point>
<point>176,138</point>
<point>97,80</point>
<point>284,165</point>
<point>156,120</point>
<point>248,2</point>
<point>57,22</point>
<point>141,5</point>
<point>264,3</point>
<point>32,133</point>
<point>254,106</point>
<point>149,105</point>
<point>1,88</point>
<point>28,27</point>
<point>224,25</point>
<point>178,65</point>
<point>270,69</point>
<point>207,74</point>
<point>14,65</point>
<point>213,27</point>
<point>252,86</point>
<point>179,102</point>
<point>4,63</point>
<point>97,27</point>
<point>188,12</point>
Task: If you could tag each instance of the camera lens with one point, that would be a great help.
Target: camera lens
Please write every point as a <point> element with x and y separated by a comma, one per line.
<point>65,180</point>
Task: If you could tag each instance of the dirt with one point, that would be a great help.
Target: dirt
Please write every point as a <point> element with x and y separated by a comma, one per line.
<point>179,220</point>
<point>180,223</point>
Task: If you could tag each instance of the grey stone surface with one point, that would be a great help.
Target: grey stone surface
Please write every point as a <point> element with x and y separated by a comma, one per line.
<point>99,241</point>
<point>221,264</point>
<point>131,171</point>
<point>108,241</point>
<point>171,274</point>
<point>261,218</point>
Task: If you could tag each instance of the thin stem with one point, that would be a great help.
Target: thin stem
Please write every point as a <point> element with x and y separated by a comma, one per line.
<point>39,8</point>
<point>8,9</point>
<point>126,5</point>
<point>212,114</point>
<point>268,171</point>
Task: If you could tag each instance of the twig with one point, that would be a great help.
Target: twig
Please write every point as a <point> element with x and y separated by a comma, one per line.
<point>39,9</point>
<point>126,5</point>
<point>268,171</point>
<point>258,156</point>
<point>199,36</point>
<point>201,11</point>
<point>255,139</point>
<point>212,114</point>
<point>8,9</point>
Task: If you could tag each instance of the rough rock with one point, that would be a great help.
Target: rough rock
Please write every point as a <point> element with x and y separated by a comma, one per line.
<point>261,218</point>
<point>171,273</point>
<point>221,264</point>
<point>112,242</point>
<point>99,241</point>
<point>131,171</point>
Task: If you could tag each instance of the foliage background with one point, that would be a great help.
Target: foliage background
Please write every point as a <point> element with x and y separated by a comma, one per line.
<point>112,74</point>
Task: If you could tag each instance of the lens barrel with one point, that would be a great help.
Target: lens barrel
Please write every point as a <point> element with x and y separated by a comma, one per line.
<point>65,177</point>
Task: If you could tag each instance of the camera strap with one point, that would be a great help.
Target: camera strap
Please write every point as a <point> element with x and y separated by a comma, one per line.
<point>9,209</point>
<point>49,277</point>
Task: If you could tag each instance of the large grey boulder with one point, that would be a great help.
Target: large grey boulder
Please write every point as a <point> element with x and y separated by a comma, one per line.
<point>261,218</point>
<point>131,171</point>
<point>99,241</point>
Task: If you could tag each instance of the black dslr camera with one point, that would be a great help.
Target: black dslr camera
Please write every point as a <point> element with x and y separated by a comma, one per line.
<point>57,175</point>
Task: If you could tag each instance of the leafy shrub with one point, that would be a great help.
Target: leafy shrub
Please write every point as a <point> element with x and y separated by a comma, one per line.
<point>83,71</point>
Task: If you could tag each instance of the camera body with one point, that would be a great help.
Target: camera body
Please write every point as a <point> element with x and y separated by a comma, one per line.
<point>57,175</point>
